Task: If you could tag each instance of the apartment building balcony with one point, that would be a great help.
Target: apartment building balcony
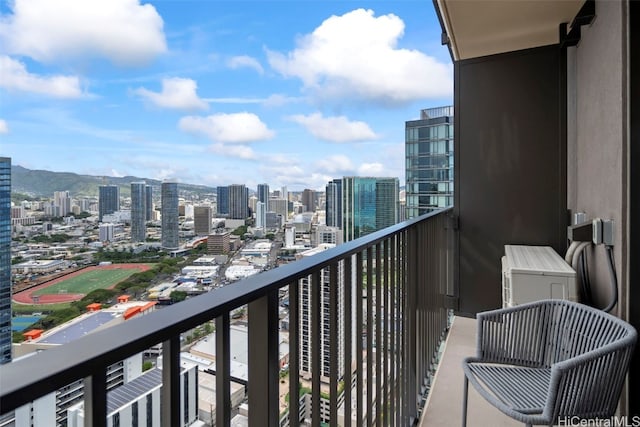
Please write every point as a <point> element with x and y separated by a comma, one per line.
<point>545,127</point>
<point>395,284</point>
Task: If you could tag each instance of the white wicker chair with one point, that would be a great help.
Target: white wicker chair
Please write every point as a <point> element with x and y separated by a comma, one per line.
<point>543,361</point>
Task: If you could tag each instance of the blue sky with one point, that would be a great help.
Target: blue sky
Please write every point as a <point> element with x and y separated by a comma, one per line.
<point>289,93</point>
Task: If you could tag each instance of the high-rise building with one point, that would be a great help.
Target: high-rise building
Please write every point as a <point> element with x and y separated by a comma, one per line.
<point>263,195</point>
<point>62,201</point>
<point>429,161</point>
<point>261,215</point>
<point>368,204</point>
<point>108,200</point>
<point>223,200</point>
<point>169,212</point>
<point>148,194</point>
<point>307,370</point>
<point>138,212</point>
<point>280,207</point>
<point>5,260</point>
<point>333,204</point>
<point>309,200</point>
<point>202,216</point>
<point>238,201</point>
<point>284,193</point>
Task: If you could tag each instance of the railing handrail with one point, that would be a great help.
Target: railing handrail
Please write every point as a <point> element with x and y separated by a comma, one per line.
<point>62,365</point>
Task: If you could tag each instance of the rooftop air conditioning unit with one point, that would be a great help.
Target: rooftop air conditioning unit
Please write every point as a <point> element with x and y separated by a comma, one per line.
<point>532,273</point>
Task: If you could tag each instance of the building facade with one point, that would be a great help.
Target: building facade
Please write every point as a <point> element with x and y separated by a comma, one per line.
<point>263,195</point>
<point>148,193</point>
<point>169,195</point>
<point>333,203</point>
<point>202,217</point>
<point>307,370</point>
<point>368,204</point>
<point>261,215</point>
<point>138,212</point>
<point>222,201</point>
<point>429,161</point>
<point>238,201</point>
<point>308,200</point>
<point>5,260</point>
<point>108,200</point>
<point>62,202</point>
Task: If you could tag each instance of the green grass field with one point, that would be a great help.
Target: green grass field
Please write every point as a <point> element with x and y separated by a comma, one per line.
<point>88,281</point>
<point>32,308</point>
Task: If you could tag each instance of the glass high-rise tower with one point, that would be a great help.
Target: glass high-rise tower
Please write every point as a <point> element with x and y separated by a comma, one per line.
<point>333,193</point>
<point>169,211</point>
<point>368,204</point>
<point>138,212</point>
<point>429,161</point>
<point>263,195</point>
<point>108,200</point>
<point>5,260</point>
<point>222,200</point>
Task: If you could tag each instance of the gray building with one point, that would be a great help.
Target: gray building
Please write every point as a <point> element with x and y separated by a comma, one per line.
<point>108,200</point>
<point>148,192</point>
<point>5,260</point>
<point>202,216</point>
<point>238,201</point>
<point>169,195</point>
<point>138,212</point>
<point>429,161</point>
<point>333,203</point>
<point>263,195</point>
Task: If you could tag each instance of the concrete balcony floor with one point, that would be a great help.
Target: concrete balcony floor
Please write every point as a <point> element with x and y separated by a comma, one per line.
<point>444,405</point>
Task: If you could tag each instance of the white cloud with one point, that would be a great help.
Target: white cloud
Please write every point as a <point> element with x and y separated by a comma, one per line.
<point>123,31</point>
<point>335,163</point>
<point>334,129</point>
<point>16,77</point>
<point>176,93</point>
<point>239,151</point>
<point>356,56</point>
<point>245,61</point>
<point>228,128</point>
<point>4,127</point>
<point>371,169</point>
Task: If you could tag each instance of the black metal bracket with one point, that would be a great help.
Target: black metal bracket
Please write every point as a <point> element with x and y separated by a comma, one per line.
<point>580,232</point>
<point>585,16</point>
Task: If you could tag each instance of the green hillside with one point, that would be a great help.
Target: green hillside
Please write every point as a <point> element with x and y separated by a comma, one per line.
<point>44,183</point>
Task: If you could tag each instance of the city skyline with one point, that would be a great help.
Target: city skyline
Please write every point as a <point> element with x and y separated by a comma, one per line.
<point>219,93</point>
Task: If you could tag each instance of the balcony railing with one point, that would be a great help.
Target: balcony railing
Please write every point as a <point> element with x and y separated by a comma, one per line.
<point>395,282</point>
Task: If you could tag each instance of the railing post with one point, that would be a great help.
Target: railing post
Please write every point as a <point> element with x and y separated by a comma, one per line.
<point>223,368</point>
<point>95,399</point>
<point>263,361</point>
<point>171,382</point>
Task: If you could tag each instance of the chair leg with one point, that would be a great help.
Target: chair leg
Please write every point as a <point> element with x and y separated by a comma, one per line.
<point>465,396</point>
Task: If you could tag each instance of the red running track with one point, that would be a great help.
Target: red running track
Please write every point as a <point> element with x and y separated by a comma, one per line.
<point>24,297</point>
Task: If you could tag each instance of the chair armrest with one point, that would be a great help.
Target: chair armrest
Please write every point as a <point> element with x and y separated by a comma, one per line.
<point>590,384</point>
<point>515,335</point>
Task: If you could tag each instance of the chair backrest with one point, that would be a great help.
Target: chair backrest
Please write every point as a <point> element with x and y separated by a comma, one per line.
<point>574,329</point>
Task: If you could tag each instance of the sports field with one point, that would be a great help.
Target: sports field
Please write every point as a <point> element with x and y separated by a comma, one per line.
<point>87,282</point>
<point>74,286</point>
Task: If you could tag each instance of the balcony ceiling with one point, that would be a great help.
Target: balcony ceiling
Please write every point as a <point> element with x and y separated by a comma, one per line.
<point>485,27</point>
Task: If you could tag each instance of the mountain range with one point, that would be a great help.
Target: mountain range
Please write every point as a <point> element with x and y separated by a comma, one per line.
<point>44,183</point>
